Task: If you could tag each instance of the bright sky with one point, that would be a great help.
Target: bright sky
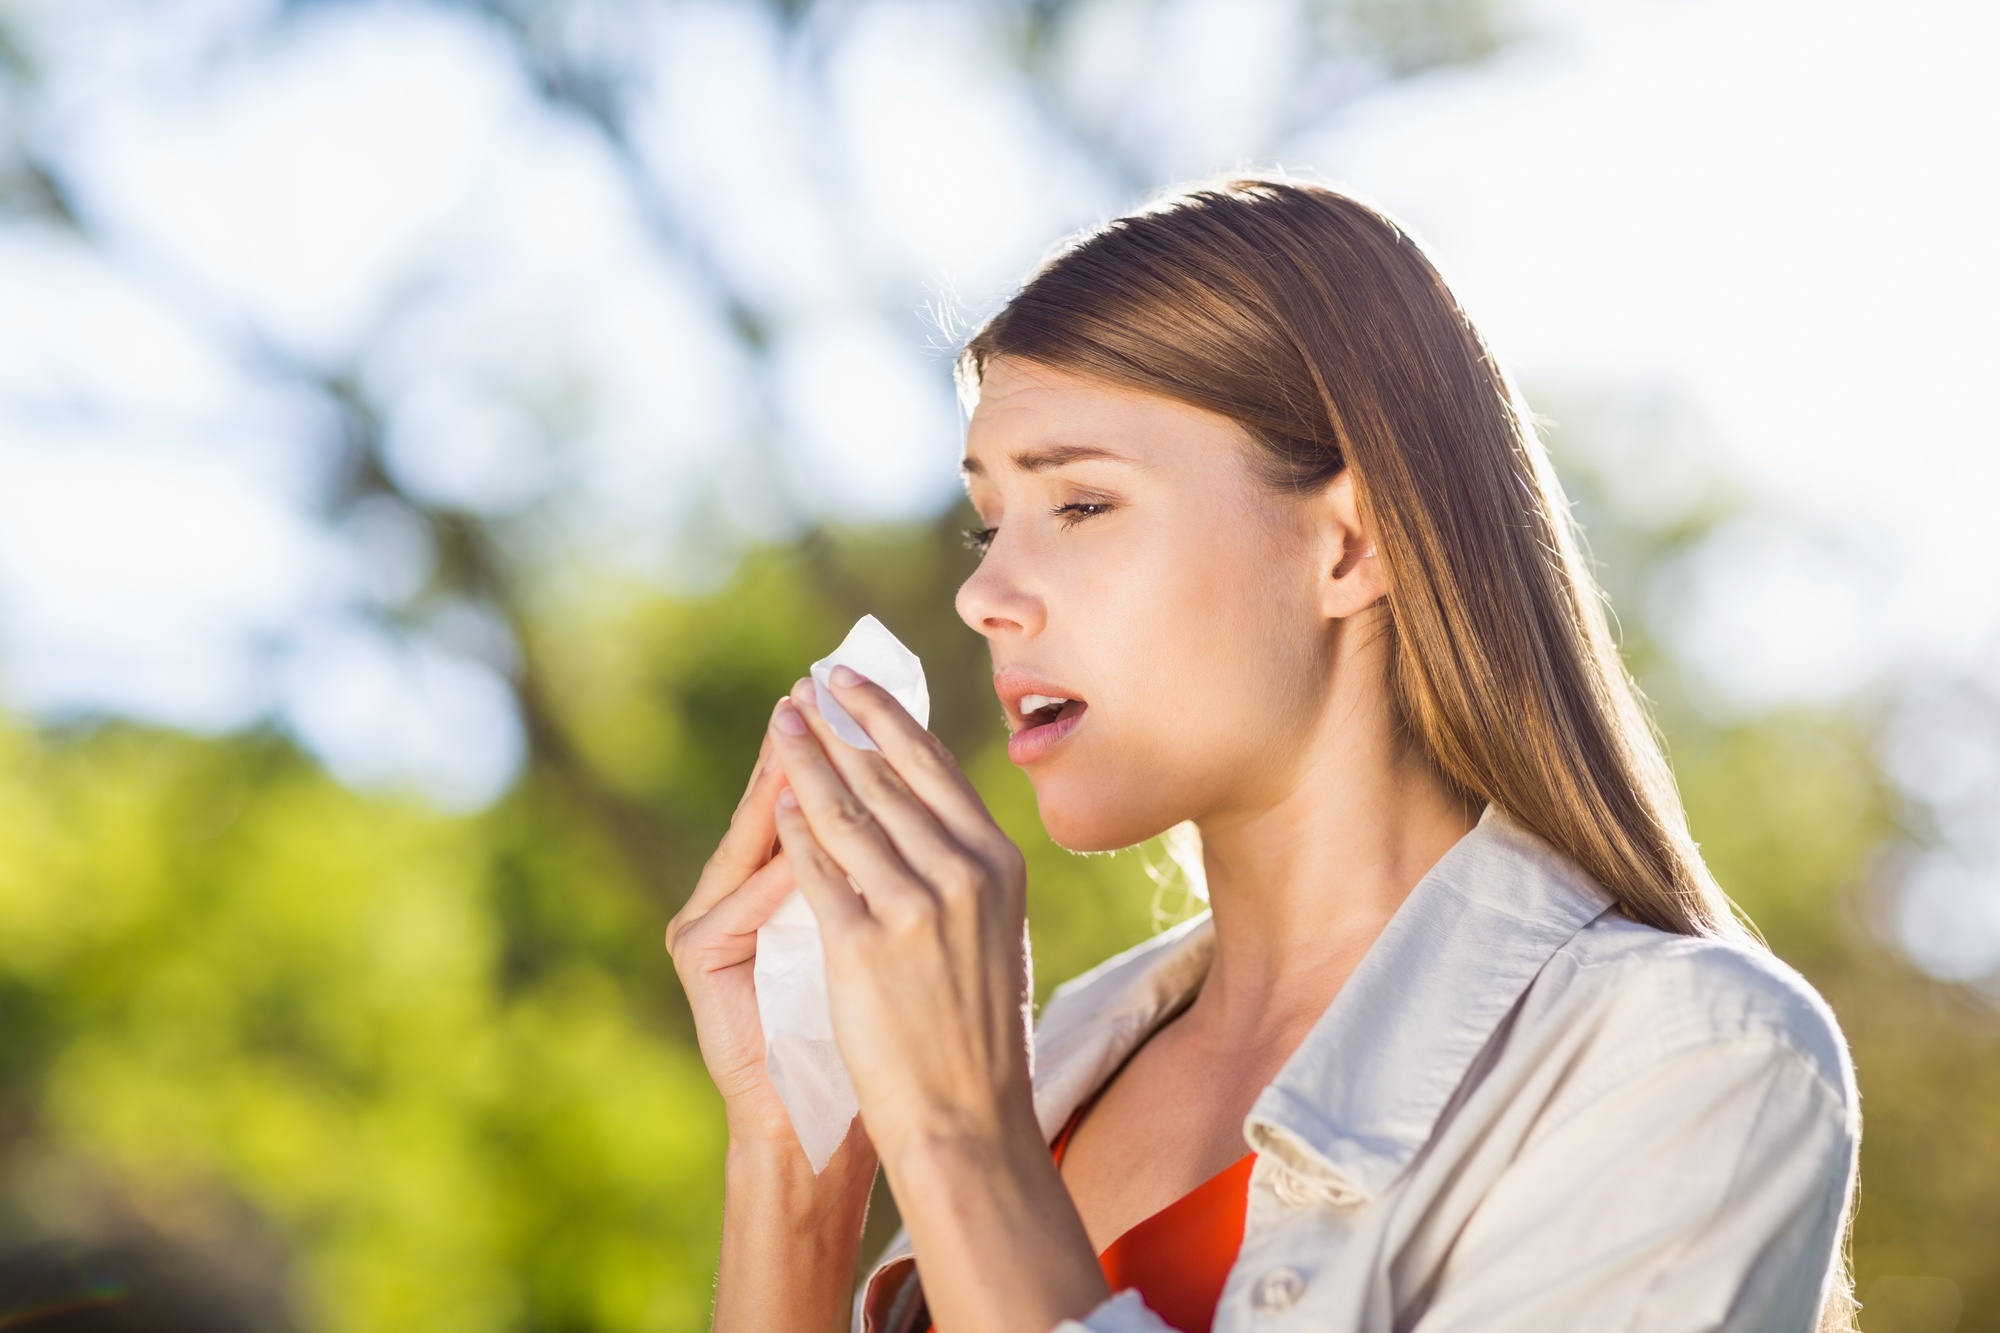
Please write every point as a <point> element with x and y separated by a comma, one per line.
<point>1787,213</point>
<point>1777,212</point>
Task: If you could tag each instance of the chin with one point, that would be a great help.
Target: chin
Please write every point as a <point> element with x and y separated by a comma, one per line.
<point>1081,815</point>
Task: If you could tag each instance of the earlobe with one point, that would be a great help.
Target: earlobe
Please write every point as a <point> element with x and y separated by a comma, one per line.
<point>1353,578</point>
<point>1355,585</point>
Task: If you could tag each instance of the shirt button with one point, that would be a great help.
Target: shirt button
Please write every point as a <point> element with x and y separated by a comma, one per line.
<point>1277,1291</point>
<point>1292,1191</point>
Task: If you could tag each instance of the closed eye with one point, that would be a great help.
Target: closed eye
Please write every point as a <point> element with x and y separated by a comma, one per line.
<point>1077,512</point>
<point>981,539</point>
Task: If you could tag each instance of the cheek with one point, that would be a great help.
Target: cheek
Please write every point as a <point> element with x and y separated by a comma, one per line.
<point>1200,648</point>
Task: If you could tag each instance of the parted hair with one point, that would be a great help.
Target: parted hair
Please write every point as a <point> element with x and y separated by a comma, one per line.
<point>1318,324</point>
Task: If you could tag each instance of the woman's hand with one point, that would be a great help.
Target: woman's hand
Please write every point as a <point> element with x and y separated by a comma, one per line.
<point>921,900</point>
<point>789,1236</point>
<point>713,941</point>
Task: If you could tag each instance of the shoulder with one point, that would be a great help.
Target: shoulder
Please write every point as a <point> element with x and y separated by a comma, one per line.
<point>1092,1022</point>
<point>1156,970</point>
<point>1640,996</point>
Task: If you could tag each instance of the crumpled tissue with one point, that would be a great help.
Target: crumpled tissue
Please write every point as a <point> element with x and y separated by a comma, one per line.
<point>799,1051</point>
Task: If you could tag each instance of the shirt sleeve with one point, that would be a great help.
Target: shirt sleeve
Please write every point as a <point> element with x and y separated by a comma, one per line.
<point>1704,1191</point>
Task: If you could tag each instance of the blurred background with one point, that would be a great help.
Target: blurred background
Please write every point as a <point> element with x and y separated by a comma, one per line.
<point>432,433</point>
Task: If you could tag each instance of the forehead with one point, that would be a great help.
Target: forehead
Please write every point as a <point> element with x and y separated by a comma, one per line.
<point>1012,391</point>
<point>1031,416</point>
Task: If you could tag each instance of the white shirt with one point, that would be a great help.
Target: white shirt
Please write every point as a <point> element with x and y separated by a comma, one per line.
<point>1522,1112</point>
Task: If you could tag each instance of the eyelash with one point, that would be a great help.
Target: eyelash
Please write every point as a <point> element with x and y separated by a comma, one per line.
<point>980,539</point>
<point>1074,513</point>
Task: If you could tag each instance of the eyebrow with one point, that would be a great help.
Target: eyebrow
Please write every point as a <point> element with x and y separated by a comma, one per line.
<point>1042,460</point>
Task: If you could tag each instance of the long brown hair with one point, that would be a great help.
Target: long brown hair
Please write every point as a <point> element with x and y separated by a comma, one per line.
<point>1318,325</point>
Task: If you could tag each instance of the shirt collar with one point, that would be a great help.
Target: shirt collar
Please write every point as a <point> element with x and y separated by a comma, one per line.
<point>1094,1021</point>
<point>1366,1087</point>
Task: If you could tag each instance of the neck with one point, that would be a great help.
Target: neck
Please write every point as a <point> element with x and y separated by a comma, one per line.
<point>1302,884</point>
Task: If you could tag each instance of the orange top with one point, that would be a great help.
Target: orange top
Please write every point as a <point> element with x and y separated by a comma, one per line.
<point>1179,1258</point>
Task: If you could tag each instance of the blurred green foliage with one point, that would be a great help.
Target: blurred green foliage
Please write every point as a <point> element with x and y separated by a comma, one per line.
<point>442,1060</point>
<point>429,1071</point>
<point>438,1067</point>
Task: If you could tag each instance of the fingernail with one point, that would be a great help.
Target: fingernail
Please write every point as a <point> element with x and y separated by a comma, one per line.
<point>789,721</point>
<point>788,801</point>
<point>802,693</point>
<point>847,677</point>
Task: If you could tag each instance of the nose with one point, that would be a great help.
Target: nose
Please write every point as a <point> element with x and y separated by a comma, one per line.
<point>994,601</point>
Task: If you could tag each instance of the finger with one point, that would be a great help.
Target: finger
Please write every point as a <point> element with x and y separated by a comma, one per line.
<point>918,757</point>
<point>839,908</point>
<point>752,834</point>
<point>757,769</point>
<point>914,829</point>
<point>730,927</point>
<point>752,904</point>
<point>840,823</point>
<point>750,840</point>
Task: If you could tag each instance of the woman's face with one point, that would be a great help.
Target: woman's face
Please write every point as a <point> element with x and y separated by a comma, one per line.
<point>1157,614</point>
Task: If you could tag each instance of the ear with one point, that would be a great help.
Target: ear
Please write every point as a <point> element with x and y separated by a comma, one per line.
<point>1351,577</point>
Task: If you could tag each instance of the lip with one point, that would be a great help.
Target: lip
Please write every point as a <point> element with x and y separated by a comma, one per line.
<point>1027,744</point>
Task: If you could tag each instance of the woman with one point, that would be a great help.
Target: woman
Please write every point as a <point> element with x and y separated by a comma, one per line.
<point>1469,1040</point>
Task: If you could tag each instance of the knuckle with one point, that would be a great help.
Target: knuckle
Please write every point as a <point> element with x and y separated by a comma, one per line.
<point>738,817</point>
<point>1005,861</point>
<point>960,879</point>
<point>850,816</point>
<point>678,943</point>
<point>878,779</point>
<point>724,860</point>
<point>913,918</point>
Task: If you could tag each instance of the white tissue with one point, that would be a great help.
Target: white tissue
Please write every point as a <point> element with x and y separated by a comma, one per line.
<point>799,1052</point>
<point>879,655</point>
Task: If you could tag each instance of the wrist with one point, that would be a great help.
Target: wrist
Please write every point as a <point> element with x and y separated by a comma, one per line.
<point>971,1122</point>
<point>773,1170</point>
<point>790,1238</point>
<point>942,1157</point>
<point>998,1236</point>
<point>760,1130</point>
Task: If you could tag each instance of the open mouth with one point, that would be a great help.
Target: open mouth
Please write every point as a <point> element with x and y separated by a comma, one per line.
<point>1041,710</point>
<point>1039,719</point>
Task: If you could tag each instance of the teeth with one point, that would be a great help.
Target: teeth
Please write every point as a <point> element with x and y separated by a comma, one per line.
<point>1035,703</point>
